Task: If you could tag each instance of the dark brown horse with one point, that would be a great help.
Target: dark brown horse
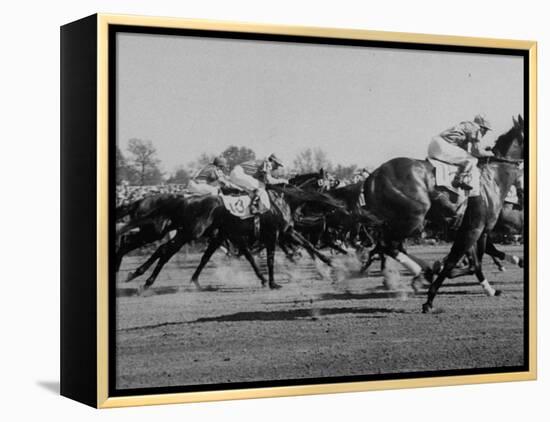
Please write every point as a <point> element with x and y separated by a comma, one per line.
<point>201,217</point>
<point>148,219</point>
<point>498,173</point>
<point>276,227</point>
<point>348,224</point>
<point>190,217</point>
<point>402,191</point>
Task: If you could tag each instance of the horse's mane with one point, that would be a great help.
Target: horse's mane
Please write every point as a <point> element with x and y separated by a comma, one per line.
<point>297,196</point>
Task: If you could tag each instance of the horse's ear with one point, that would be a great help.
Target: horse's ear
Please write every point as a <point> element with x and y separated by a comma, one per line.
<point>515,121</point>
<point>520,120</point>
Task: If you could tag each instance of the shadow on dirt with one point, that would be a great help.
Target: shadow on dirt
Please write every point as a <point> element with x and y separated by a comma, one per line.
<point>296,314</point>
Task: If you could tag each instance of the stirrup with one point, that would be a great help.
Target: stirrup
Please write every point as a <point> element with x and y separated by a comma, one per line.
<point>459,182</point>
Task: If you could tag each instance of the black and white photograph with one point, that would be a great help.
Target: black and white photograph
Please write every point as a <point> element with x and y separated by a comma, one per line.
<point>293,212</point>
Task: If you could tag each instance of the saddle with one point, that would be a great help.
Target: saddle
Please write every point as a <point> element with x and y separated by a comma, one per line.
<point>457,198</point>
<point>445,174</point>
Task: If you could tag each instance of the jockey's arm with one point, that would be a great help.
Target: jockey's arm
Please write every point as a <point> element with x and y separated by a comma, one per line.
<point>479,152</point>
<point>270,180</point>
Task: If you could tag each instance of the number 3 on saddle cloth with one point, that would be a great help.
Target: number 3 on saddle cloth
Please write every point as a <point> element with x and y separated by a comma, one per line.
<point>239,205</point>
<point>444,175</point>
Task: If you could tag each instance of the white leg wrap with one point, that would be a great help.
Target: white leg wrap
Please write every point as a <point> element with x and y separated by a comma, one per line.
<point>512,259</point>
<point>488,288</point>
<point>408,263</point>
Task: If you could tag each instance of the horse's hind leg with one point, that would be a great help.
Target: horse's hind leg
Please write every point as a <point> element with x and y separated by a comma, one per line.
<point>311,250</point>
<point>253,264</point>
<point>132,241</point>
<point>377,250</point>
<point>213,245</point>
<point>396,251</point>
<point>271,263</point>
<point>167,251</point>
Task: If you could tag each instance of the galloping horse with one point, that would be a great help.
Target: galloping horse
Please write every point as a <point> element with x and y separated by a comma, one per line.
<point>154,217</point>
<point>498,173</point>
<point>402,191</point>
<point>349,222</point>
<point>276,227</point>
<point>191,218</point>
<point>199,217</point>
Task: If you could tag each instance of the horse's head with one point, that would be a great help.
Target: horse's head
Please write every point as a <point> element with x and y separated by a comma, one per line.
<point>509,146</point>
<point>310,181</point>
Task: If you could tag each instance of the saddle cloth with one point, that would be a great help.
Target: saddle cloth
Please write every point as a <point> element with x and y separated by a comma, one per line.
<point>239,205</point>
<point>445,174</point>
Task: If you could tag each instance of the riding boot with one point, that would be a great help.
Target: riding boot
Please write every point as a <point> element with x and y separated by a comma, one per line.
<point>255,203</point>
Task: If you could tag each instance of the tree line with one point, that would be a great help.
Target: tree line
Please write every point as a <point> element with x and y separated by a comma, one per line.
<point>140,165</point>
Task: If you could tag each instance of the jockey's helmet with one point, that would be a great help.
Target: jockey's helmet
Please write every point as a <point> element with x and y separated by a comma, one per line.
<point>220,162</point>
<point>273,158</point>
<point>483,122</point>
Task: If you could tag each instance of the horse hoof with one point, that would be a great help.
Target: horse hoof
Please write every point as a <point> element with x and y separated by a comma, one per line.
<point>502,269</point>
<point>274,286</point>
<point>426,308</point>
<point>129,277</point>
<point>498,292</point>
<point>520,263</point>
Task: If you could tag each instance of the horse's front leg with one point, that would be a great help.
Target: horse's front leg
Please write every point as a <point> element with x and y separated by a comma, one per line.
<point>213,245</point>
<point>246,252</point>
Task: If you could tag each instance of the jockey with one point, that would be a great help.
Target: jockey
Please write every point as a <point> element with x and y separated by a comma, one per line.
<point>253,175</point>
<point>208,180</point>
<point>458,145</point>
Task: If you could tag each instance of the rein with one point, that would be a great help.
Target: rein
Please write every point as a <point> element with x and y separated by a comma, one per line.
<point>495,159</point>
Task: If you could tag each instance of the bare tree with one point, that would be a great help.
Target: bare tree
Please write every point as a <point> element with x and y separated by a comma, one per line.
<point>311,160</point>
<point>235,155</point>
<point>144,162</point>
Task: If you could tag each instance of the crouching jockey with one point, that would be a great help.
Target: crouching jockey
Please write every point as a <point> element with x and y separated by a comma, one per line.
<point>209,179</point>
<point>253,175</point>
<point>456,146</point>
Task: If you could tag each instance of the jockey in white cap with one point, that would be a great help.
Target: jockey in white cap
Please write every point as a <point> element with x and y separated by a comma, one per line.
<point>459,145</point>
<point>210,178</point>
<point>253,175</point>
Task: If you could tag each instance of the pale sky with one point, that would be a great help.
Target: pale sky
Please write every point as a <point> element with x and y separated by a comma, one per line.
<point>361,105</point>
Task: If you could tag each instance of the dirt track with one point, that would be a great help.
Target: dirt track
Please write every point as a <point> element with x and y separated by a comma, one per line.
<point>315,326</point>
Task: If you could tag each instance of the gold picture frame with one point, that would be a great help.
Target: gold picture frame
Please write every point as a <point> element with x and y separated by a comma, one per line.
<point>80,37</point>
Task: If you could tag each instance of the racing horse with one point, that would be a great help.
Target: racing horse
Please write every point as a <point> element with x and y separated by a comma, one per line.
<point>276,227</point>
<point>199,217</point>
<point>401,192</point>
<point>349,223</point>
<point>498,174</point>
<point>149,219</point>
